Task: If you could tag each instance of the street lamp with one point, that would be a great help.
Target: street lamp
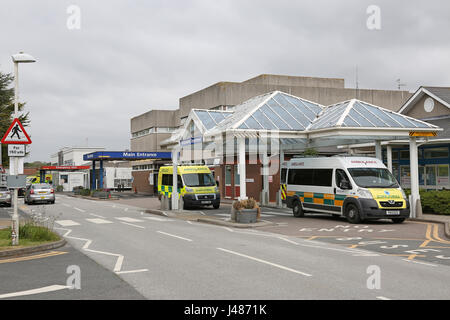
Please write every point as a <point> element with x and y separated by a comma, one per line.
<point>17,58</point>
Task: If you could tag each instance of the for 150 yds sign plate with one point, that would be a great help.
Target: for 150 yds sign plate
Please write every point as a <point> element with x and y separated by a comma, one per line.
<point>16,150</point>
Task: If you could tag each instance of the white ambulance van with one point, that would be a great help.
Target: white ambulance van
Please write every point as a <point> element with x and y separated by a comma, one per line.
<point>358,188</point>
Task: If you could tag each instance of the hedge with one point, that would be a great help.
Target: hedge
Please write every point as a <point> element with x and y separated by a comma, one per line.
<point>434,201</point>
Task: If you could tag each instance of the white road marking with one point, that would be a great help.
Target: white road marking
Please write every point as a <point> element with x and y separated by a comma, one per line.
<point>157,219</point>
<point>287,240</point>
<point>228,229</point>
<point>55,287</point>
<point>420,262</point>
<point>96,215</point>
<point>126,209</point>
<point>127,219</point>
<point>172,235</point>
<point>131,271</point>
<point>383,298</point>
<point>78,209</point>
<point>266,262</point>
<point>67,223</point>
<point>133,225</point>
<point>277,213</point>
<point>98,221</point>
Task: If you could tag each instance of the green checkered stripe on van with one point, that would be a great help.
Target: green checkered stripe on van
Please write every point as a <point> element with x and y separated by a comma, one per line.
<point>322,198</point>
<point>167,190</point>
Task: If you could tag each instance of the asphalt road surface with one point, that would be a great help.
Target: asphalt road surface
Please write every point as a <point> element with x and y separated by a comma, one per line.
<point>173,259</point>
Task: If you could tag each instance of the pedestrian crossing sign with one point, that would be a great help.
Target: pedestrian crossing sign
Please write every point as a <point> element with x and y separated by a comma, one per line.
<point>16,134</point>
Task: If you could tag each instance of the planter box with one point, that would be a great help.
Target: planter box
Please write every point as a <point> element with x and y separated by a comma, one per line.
<point>246,215</point>
<point>101,194</point>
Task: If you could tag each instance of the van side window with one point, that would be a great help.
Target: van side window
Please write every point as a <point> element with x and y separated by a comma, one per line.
<point>283,176</point>
<point>300,177</point>
<point>340,177</point>
<point>323,177</point>
<point>167,180</point>
<point>310,177</point>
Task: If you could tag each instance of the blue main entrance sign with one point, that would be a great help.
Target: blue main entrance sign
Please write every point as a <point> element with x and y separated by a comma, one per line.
<point>126,155</point>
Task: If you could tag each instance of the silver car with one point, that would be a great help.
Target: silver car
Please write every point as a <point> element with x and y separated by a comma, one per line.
<point>40,192</point>
<point>5,196</point>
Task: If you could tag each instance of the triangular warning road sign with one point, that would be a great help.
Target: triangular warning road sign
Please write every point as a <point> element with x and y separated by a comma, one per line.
<point>16,134</point>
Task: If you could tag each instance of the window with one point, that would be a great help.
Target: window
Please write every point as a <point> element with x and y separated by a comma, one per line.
<point>300,177</point>
<point>199,180</point>
<point>167,180</point>
<point>431,153</point>
<point>443,170</point>
<point>323,177</point>
<point>283,175</point>
<point>341,176</point>
<point>373,178</point>
<point>404,155</point>
<point>310,177</point>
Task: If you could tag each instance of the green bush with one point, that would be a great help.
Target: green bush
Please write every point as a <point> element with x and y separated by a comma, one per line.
<point>59,188</point>
<point>434,201</point>
<point>85,192</point>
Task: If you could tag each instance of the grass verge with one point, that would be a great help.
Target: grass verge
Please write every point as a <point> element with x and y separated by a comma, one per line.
<point>29,235</point>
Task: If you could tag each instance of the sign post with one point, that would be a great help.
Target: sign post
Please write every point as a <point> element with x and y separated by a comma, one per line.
<point>16,137</point>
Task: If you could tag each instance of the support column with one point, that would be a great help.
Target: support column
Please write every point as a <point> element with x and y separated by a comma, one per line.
<point>378,153</point>
<point>242,174</point>
<point>101,175</point>
<point>93,185</point>
<point>280,202</point>
<point>414,169</point>
<point>175,179</point>
<point>389,157</point>
<point>265,169</point>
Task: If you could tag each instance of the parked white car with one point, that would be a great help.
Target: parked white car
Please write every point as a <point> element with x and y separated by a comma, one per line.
<point>40,192</point>
<point>5,196</point>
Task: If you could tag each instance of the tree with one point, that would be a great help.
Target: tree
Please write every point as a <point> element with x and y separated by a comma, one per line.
<point>311,152</point>
<point>7,110</point>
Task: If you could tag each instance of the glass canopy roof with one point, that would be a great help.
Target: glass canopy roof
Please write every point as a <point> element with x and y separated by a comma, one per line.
<point>273,111</point>
<point>359,114</point>
<point>211,118</point>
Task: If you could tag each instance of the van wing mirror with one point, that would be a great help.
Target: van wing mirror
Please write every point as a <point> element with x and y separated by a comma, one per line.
<point>345,185</point>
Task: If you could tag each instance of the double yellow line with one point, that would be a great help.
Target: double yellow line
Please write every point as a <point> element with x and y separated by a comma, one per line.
<point>36,256</point>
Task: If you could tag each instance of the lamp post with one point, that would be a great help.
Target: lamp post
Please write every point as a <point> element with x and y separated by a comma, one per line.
<point>17,58</point>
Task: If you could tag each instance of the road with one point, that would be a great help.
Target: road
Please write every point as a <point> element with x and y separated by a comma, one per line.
<point>173,259</point>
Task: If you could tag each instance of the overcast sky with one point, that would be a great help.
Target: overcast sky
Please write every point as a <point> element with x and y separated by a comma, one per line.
<point>132,56</point>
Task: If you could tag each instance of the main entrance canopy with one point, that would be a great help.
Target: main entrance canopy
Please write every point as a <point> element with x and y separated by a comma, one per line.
<point>120,155</point>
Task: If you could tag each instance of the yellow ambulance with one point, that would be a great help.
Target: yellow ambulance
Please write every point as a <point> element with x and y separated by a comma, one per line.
<point>195,183</point>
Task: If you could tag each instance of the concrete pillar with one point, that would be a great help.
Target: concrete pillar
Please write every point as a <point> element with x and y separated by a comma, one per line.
<point>175,179</point>
<point>265,168</point>
<point>389,157</point>
<point>101,175</point>
<point>94,184</point>
<point>242,174</point>
<point>378,153</point>
<point>282,205</point>
<point>414,169</point>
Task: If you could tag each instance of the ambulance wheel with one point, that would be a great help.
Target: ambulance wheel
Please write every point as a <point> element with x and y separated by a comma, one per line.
<point>216,206</point>
<point>297,209</point>
<point>352,213</point>
<point>398,220</point>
